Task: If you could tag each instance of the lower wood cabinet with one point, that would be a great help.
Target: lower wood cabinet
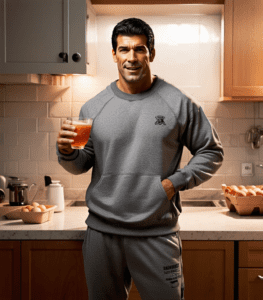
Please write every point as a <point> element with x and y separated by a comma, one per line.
<point>250,271</point>
<point>208,270</point>
<point>52,270</point>
<point>10,270</point>
<point>35,270</point>
<point>250,285</point>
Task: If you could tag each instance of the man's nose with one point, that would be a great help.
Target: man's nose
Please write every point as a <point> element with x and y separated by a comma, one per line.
<point>132,55</point>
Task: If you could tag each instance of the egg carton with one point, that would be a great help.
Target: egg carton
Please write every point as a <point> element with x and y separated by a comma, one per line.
<point>245,206</point>
<point>38,217</point>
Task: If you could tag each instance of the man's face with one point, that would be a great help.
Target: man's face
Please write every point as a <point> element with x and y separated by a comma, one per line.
<point>133,58</point>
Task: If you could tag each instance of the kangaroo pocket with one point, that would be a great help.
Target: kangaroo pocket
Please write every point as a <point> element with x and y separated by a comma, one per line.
<point>129,198</point>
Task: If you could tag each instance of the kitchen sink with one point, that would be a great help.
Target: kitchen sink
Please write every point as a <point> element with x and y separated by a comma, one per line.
<point>203,203</point>
<point>185,203</point>
<point>77,203</point>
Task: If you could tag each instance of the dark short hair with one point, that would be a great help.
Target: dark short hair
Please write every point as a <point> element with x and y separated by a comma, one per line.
<point>130,27</point>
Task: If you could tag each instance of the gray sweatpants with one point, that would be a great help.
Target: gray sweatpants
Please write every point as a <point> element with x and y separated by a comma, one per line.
<point>154,263</point>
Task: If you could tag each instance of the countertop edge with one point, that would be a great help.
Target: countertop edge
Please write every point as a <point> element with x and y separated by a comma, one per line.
<point>79,234</point>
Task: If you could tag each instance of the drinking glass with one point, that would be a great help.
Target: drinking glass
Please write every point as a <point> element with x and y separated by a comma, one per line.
<point>82,128</point>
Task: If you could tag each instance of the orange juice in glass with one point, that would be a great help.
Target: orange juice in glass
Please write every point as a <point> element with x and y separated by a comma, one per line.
<point>82,128</point>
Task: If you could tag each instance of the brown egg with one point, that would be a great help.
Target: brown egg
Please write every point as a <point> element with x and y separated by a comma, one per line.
<point>36,209</point>
<point>258,192</point>
<point>241,193</point>
<point>35,204</point>
<point>252,187</point>
<point>42,207</point>
<point>30,207</point>
<point>25,209</point>
<point>251,192</point>
<point>241,187</point>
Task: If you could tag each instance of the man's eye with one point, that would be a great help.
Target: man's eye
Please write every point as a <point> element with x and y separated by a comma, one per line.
<point>140,50</point>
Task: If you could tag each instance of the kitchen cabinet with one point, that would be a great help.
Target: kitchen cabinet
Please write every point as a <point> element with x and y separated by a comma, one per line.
<point>47,37</point>
<point>243,60</point>
<point>10,270</point>
<point>250,270</point>
<point>54,270</point>
<point>208,269</point>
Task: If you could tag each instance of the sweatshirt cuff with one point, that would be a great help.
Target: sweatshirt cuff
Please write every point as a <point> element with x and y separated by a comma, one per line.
<point>178,180</point>
<point>71,156</point>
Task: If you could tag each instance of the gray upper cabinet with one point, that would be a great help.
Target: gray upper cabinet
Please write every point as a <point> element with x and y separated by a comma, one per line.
<point>45,37</point>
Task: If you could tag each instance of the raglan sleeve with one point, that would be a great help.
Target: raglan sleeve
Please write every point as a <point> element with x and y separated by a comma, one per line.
<point>81,160</point>
<point>202,140</point>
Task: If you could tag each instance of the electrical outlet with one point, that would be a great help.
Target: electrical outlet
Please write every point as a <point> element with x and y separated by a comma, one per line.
<point>247,169</point>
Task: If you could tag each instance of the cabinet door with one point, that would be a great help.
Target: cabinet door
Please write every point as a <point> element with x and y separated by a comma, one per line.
<point>243,55</point>
<point>34,32</point>
<point>10,270</point>
<point>250,284</point>
<point>208,270</point>
<point>250,254</point>
<point>91,41</point>
<point>52,270</point>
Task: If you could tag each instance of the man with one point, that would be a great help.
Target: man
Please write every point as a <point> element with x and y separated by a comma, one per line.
<point>141,124</point>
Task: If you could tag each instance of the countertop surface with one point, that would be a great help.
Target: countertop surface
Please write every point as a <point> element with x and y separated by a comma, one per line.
<point>196,223</point>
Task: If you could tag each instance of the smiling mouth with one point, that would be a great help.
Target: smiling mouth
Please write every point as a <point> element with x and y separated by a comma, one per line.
<point>133,69</point>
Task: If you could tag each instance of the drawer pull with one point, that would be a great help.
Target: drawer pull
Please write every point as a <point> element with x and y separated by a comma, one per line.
<point>260,277</point>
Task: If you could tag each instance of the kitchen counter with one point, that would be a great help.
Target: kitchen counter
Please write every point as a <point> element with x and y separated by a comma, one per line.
<point>197,223</point>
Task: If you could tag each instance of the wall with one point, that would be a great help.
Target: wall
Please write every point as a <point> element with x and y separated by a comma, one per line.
<point>187,55</point>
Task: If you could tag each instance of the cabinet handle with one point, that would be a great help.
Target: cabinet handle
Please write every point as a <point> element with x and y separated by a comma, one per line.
<point>260,277</point>
<point>64,56</point>
<point>76,57</point>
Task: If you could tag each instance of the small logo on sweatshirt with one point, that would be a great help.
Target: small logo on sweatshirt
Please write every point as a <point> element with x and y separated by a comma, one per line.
<point>160,120</point>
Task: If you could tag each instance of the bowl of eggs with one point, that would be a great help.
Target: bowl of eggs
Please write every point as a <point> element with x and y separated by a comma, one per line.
<point>37,213</point>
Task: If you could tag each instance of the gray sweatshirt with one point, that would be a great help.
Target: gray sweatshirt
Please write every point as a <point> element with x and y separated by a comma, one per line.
<point>137,141</point>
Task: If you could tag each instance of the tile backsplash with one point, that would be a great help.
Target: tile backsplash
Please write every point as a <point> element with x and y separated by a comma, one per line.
<point>187,55</point>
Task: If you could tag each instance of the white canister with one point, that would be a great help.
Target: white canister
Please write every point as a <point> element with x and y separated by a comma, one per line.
<point>55,195</point>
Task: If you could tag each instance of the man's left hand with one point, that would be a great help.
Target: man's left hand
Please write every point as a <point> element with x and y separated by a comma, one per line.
<point>169,188</point>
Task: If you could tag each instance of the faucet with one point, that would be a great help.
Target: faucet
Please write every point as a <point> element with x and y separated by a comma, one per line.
<point>254,137</point>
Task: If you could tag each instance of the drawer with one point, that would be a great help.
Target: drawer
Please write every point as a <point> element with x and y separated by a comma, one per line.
<point>250,286</point>
<point>251,254</point>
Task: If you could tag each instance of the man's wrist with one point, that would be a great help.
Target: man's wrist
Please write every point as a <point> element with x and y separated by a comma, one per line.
<point>66,152</point>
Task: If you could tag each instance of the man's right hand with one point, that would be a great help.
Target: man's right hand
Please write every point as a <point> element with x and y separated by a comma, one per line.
<point>65,136</point>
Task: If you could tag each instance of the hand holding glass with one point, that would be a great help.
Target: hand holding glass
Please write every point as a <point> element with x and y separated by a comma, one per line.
<point>82,128</point>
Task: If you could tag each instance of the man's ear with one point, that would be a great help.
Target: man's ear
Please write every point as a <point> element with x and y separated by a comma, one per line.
<point>114,56</point>
<point>152,56</point>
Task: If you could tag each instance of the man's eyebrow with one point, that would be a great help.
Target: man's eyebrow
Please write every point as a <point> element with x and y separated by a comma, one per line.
<point>136,47</point>
<point>141,46</point>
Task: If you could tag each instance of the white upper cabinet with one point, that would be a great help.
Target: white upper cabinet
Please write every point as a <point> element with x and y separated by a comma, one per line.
<point>47,37</point>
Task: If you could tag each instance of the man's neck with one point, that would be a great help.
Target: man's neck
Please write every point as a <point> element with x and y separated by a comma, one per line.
<point>135,88</point>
